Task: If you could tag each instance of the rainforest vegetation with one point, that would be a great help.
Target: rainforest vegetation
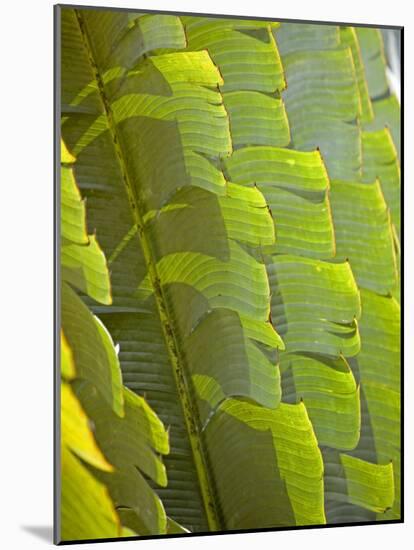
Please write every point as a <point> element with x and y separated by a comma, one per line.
<point>230,318</point>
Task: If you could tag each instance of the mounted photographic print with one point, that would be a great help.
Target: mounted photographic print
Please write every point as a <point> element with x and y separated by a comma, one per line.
<point>228,274</point>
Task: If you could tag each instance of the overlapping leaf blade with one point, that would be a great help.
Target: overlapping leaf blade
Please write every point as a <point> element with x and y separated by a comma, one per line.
<point>328,388</point>
<point>211,189</point>
<point>356,219</point>
<point>90,492</point>
<point>81,493</point>
<point>295,185</point>
<point>169,98</point>
<point>363,234</point>
<point>278,453</point>
<point>322,96</point>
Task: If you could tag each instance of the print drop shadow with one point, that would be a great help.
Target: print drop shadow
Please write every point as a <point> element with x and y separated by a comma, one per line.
<point>42,532</point>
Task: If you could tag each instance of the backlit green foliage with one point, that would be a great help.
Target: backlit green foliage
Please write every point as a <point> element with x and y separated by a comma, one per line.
<point>241,183</point>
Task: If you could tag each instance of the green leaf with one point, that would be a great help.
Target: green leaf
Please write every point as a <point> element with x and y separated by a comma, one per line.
<point>373,56</point>
<point>67,364</point>
<point>84,266</point>
<point>229,248</point>
<point>76,434</point>
<point>131,444</point>
<point>315,305</point>
<point>89,358</point>
<point>286,168</point>
<point>73,223</point>
<point>296,37</point>
<point>367,485</point>
<point>256,119</point>
<point>139,429</point>
<point>129,517</point>
<point>380,161</point>
<point>246,53</point>
<point>127,532</point>
<point>163,256</point>
<point>65,156</point>
<point>329,391</point>
<point>323,71</point>
<point>250,368</point>
<point>141,35</point>
<point>174,528</point>
<point>363,234</point>
<point>207,24</point>
<point>272,453</point>
<point>185,128</point>
<point>379,369</point>
<point>133,323</point>
<point>387,114</point>
<point>82,496</point>
<point>239,284</point>
<point>322,99</point>
<point>295,186</point>
<point>92,347</point>
<point>377,366</point>
<point>81,493</point>
<point>349,38</point>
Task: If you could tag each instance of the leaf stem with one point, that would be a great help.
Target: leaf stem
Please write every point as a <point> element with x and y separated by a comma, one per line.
<point>189,410</point>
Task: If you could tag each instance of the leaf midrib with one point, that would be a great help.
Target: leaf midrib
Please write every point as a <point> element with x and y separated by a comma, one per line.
<point>189,410</point>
